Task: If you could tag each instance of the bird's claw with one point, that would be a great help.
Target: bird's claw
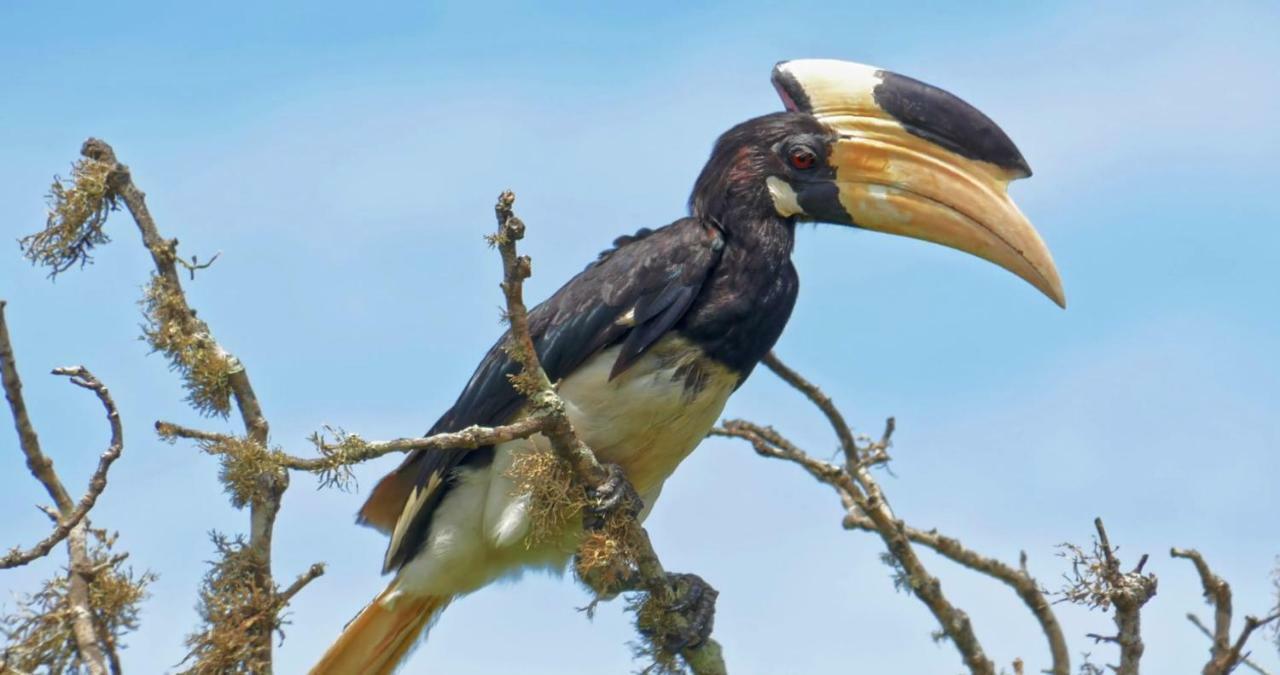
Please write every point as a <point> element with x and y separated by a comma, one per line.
<point>614,495</point>
<point>694,600</point>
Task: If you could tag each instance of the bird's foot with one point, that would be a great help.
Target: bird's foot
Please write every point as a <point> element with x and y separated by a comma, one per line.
<point>614,495</point>
<point>690,616</point>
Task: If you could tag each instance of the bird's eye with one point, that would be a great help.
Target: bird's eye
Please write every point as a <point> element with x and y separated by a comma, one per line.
<point>802,158</point>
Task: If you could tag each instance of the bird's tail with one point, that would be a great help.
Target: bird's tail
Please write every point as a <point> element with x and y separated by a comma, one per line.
<point>380,635</point>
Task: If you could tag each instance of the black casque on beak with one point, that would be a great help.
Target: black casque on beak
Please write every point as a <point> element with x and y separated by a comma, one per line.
<point>911,159</point>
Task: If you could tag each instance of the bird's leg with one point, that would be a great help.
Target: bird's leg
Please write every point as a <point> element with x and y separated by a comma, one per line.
<point>614,495</point>
<point>690,616</point>
<point>611,507</point>
<point>685,616</point>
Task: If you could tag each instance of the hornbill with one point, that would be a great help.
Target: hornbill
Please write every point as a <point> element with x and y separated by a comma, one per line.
<point>648,342</point>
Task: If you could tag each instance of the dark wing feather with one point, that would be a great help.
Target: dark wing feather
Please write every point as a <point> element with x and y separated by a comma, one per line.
<point>655,314</point>
<point>655,276</point>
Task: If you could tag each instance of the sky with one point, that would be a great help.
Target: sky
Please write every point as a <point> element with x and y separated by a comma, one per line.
<point>345,159</point>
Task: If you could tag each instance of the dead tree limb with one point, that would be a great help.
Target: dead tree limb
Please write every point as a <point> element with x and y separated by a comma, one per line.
<point>1019,579</point>
<point>1129,592</point>
<point>866,508</point>
<point>97,482</point>
<point>94,651</point>
<point>856,497</point>
<point>1244,660</point>
<point>213,376</point>
<point>1098,582</point>
<point>1218,593</point>
<point>1224,655</point>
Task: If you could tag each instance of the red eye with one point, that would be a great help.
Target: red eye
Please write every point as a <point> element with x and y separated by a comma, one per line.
<point>803,158</point>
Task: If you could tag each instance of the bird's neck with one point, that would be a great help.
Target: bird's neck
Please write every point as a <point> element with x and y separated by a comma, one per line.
<point>747,301</point>
<point>766,239</point>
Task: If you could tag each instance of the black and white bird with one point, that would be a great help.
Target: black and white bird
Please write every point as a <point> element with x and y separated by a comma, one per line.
<point>649,341</point>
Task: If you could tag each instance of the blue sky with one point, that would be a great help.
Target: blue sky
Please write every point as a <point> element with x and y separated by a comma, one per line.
<point>345,161</point>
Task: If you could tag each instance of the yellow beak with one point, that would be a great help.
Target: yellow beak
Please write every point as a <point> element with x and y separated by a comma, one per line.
<point>913,160</point>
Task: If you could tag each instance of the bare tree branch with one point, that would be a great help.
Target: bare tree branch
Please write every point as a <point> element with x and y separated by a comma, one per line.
<point>1019,579</point>
<point>97,482</point>
<point>40,465</point>
<point>859,492</point>
<point>169,431</point>
<point>1218,593</point>
<point>1195,621</point>
<point>820,399</point>
<point>195,265</point>
<point>769,443</point>
<point>1251,623</point>
<point>315,571</point>
<point>1224,656</point>
<point>85,627</point>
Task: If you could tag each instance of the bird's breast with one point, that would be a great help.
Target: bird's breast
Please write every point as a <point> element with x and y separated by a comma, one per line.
<point>652,415</point>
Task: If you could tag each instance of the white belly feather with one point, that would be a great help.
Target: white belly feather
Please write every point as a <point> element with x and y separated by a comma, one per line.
<point>646,420</point>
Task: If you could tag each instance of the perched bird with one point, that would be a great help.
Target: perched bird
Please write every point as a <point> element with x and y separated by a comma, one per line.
<point>650,340</point>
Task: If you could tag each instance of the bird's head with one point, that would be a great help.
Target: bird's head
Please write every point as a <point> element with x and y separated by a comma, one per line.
<point>876,150</point>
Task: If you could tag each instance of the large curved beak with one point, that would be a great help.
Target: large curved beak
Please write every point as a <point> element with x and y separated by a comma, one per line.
<point>911,159</point>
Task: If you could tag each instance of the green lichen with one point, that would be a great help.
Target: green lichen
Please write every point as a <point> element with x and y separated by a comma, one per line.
<point>172,329</point>
<point>556,498</point>
<point>234,611</point>
<point>39,633</point>
<point>77,214</point>
<point>337,457</point>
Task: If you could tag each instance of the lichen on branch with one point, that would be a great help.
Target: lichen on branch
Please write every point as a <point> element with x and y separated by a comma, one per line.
<point>173,329</point>
<point>40,633</point>
<point>232,605</point>
<point>77,213</point>
<point>235,609</point>
<point>554,496</point>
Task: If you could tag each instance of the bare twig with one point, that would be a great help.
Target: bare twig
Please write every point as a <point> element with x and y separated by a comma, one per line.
<point>769,443</point>
<point>864,494</point>
<point>315,571</point>
<point>97,482</point>
<point>532,381</point>
<point>1195,621</point>
<point>1218,593</point>
<point>196,265</point>
<point>1224,656</point>
<point>85,627</point>
<point>1251,623</point>
<point>955,622</point>
<point>819,399</point>
<point>169,431</point>
<point>860,493</point>
<point>1019,579</point>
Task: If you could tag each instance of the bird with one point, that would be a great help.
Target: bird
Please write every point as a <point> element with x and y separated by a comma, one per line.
<point>649,341</point>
